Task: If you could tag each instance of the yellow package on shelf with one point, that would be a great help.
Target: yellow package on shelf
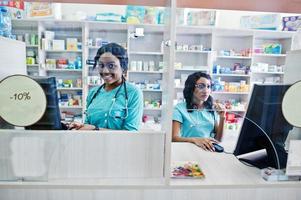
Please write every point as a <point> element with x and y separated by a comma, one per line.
<point>72,44</point>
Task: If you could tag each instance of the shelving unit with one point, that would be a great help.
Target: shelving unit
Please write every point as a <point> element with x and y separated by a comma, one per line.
<point>145,64</point>
<point>28,32</point>
<point>193,53</point>
<point>197,49</point>
<point>241,44</point>
<point>71,95</point>
<point>273,72</point>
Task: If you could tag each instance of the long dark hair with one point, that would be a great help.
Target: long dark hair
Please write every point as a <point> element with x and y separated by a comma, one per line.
<point>190,87</point>
<point>116,50</point>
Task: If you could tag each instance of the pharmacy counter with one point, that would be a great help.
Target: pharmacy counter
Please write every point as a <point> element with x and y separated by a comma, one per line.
<point>226,177</point>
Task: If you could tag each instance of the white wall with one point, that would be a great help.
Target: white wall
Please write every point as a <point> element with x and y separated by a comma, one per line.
<point>231,18</point>
<point>12,63</point>
<point>225,18</point>
<point>69,10</point>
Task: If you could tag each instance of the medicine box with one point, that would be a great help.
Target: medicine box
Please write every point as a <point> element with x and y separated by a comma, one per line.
<point>72,44</point>
<point>58,44</point>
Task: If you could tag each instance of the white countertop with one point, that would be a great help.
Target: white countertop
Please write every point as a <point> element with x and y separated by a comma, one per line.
<point>221,171</point>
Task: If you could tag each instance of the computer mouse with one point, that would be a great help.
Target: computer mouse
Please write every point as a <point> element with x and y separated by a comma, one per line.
<point>218,148</point>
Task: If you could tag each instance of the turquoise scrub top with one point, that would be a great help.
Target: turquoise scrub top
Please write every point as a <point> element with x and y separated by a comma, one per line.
<point>103,113</point>
<point>198,123</point>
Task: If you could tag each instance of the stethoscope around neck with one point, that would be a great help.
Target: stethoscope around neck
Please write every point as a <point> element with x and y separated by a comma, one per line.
<point>113,99</point>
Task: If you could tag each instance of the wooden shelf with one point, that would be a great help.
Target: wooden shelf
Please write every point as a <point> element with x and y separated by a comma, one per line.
<point>146,53</point>
<point>146,72</point>
<point>32,65</point>
<point>232,75</point>
<point>151,90</point>
<point>64,70</point>
<point>230,93</point>
<point>32,46</point>
<point>234,57</point>
<point>204,68</point>
<point>63,51</point>
<point>192,51</point>
<point>269,55</point>
<point>152,109</point>
<point>94,85</point>
<point>279,73</point>
<point>234,110</point>
<point>93,47</point>
<point>74,88</point>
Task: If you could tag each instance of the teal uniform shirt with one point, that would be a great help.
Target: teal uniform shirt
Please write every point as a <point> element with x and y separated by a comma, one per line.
<point>198,123</point>
<point>103,113</point>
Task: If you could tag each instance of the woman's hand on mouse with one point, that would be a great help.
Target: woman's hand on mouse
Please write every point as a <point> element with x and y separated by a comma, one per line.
<point>80,126</point>
<point>205,143</point>
<point>75,126</point>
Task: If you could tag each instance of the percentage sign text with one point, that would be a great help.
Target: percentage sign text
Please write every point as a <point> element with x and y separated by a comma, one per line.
<point>21,96</point>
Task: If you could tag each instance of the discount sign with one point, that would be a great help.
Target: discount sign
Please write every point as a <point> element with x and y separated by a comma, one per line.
<point>23,101</point>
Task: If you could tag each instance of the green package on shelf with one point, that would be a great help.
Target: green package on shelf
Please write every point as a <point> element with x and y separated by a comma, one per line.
<point>272,48</point>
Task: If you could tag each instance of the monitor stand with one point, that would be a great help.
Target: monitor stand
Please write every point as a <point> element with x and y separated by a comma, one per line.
<point>257,159</point>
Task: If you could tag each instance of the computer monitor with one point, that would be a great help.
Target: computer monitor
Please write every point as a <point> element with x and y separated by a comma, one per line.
<point>51,120</point>
<point>264,109</point>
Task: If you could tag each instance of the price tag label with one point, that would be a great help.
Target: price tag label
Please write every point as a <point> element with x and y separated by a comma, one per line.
<point>23,101</point>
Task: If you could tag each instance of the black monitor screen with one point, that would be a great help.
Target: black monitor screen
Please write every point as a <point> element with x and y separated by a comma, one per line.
<point>51,120</point>
<point>264,109</point>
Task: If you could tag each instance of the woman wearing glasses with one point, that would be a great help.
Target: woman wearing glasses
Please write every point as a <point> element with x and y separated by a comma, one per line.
<point>116,104</point>
<point>198,120</point>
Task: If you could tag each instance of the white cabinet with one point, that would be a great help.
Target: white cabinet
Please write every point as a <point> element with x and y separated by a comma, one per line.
<point>10,63</point>
<point>226,54</point>
<point>231,59</point>
<point>146,67</point>
<point>27,31</point>
<point>62,54</point>
<point>193,53</point>
<point>269,67</point>
<point>231,67</point>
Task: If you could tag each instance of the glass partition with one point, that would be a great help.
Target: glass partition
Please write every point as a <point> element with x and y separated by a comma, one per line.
<point>225,100</point>
<point>106,157</point>
<point>63,41</point>
<point>173,55</point>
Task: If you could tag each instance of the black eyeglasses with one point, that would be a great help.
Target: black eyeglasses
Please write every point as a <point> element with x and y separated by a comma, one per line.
<point>109,66</point>
<point>202,86</point>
